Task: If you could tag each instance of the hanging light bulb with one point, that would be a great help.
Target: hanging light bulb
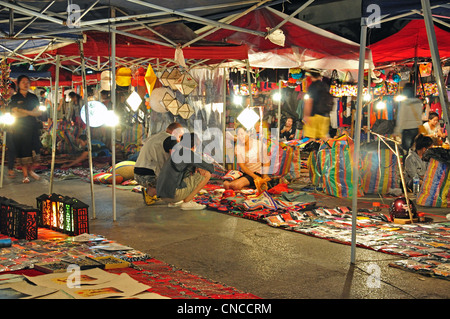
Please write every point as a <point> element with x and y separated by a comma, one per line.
<point>381,105</point>
<point>367,97</point>
<point>276,97</point>
<point>400,98</point>
<point>111,119</point>
<point>237,99</point>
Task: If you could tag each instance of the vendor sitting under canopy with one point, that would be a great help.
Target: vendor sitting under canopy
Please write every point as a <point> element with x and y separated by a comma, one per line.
<point>249,153</point>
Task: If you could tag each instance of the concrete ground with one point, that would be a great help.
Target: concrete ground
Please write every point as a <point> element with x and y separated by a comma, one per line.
<point>268,262</point>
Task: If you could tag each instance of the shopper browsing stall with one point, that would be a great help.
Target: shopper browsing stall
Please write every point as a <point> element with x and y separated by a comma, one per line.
<point>151,159</point>
<point>184,174</point>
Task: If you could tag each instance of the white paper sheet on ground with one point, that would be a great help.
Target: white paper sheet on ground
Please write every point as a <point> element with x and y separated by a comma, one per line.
<point>122,286</point>
<point>147,295</point>
<point>25,290</point>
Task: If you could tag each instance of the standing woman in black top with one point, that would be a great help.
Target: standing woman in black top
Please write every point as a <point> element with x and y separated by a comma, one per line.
<point>25,107</point>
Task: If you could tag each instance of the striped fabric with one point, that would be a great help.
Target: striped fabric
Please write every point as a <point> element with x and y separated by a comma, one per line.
<point>379,171</point>
<point>435,190</point>
<point>332,167</point>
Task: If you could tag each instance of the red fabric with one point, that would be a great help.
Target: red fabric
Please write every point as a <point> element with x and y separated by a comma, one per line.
<point>410,42</point>
<point>314,44</point>
<point>98,45</point>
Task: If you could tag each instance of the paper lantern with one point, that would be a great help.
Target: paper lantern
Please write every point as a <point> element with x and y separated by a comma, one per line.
<point>163,78</point>
<point>63,214</point>
<point>168,98</point>
<point>105,80</point>
<point>248,118</point>
<point>134,100</point>
<point>139,77</point>
<point>97,113</point>
<point>174,106</point>
<point>185,111</point>
<point>156,100</point>
<point>186,84</point>
<point>173,78</point>
<point>123,76</point>
<point>150,79</point>
<point>18,220</point>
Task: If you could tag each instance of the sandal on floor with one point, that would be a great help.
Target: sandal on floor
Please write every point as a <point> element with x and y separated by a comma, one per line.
<point>26,180</point>
<point>11,175</point>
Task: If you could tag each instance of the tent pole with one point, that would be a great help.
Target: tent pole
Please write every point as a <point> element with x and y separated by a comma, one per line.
<point>279,111</point>
<point>54,122</point>
<point>88,128</point>
<point>113,102</point>
<point>3,157</point>
<point>369,108</point>
<point>431,34</point>
<point>249,83</point>
<point>224,119</point>
<point>357,135</point>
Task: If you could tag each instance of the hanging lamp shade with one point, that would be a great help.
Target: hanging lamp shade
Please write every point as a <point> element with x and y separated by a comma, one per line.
<point>105,80</point>
<point>185,111</point>
<point>156,100</point>
<point>174,106</point>
<point>186,83</point>
<point>173,77</point>
<point>150,79</point>
<point>123,76</point>
<point>138,77</point>
<point>163,77</point>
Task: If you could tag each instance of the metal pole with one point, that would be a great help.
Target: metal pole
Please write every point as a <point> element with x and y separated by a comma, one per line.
<point>249,81</point>
<point>279,111</point>
<point>224,118</point>
<point>54,122</point>
<point>88,128</point>
<point>3,157</point>
<point>431,34</point>
<point>113,102</point>
<point>356,155</point>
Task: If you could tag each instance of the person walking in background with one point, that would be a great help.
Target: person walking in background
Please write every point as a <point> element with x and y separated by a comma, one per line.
<point>317,108</point>
<point>25,107</point>
<point>409,117</point>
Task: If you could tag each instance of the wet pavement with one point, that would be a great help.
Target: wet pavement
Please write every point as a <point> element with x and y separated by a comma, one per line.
<point>268,262</point>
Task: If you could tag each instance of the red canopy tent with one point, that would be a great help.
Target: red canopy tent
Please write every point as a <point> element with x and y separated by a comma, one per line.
<point>410,42</point>
<point>98,45</point>
<point>305,45</point>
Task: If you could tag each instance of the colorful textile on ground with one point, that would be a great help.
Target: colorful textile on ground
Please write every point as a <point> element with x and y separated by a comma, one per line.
<point>175,283</point>
<point>435,190</point>
<point>296,211</point>
<point>35,258</point>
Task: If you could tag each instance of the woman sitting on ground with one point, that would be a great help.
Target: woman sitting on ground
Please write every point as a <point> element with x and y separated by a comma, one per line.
<point>249,153</point>
<point>414,164</point>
